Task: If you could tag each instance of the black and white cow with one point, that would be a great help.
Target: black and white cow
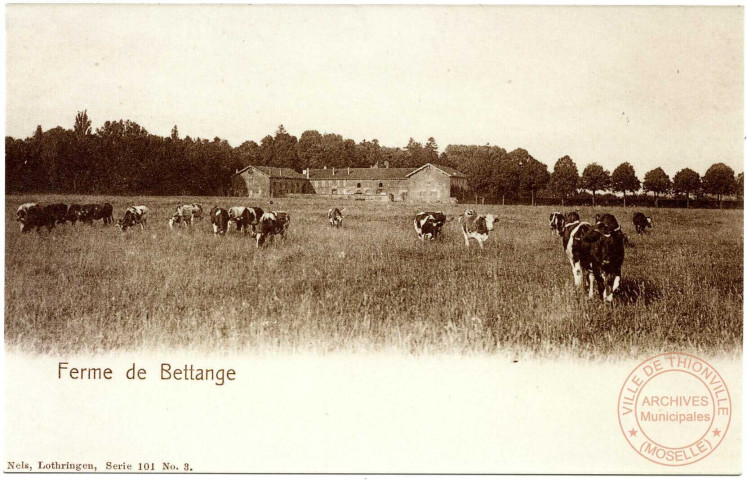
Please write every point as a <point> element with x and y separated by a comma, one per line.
<point>137,215</point>
<point>271,224</point>
<point>428,225</point>
<point>73,213</point>
<point>557,222</point>
<point>92,211</point>
<point>36,216</point>
<point>185,215</point>
<point>641,222</point>
<point>219,219</point>
<point>596,254</point>
<point>334,215</point>
<point>197,211</point>
<point>244,217</point>
<point>476,226</point>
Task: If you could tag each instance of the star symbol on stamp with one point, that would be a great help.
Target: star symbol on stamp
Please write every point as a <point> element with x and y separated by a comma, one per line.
<point>633,432</point>
<point>717,433</point>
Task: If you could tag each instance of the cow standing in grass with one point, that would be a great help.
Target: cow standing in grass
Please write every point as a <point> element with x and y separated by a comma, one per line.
<point>35,216</point>
<point>58,212</point>
<point>557,222</point>
<point>219,220</point>
<point>569,218</point>
<point>185,215</point>
<point>334,215</point>
<point>428,225</point>
<point>271,224</point>
<point>596,254</point>
<point>244,217</point>
<point>476,226</point>
<point>137,215</point>
<point>92,211</point>
<point>641,222</point>
<point>73,213</point>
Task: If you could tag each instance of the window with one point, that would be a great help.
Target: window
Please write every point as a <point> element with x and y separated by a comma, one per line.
<point>359,185</point>
<point>381,184</point>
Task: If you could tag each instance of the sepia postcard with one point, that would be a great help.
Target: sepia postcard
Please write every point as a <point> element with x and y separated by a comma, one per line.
<point>373,239</point>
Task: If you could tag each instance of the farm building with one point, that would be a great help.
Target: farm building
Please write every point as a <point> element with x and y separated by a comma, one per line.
<point>268,182</point>
<point>428,183</point>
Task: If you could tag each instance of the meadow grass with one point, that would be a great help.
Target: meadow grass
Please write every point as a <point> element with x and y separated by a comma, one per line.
<point>369,286</point>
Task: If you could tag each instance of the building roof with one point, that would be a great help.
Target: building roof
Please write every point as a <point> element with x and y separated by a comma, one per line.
<point>274,172</point>
<point>359,173</point>
<point>349,173</point>
<point>447,170</point>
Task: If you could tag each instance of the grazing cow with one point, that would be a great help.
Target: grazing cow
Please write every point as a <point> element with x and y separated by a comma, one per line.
<point>92,211</point>
<point>571,217</point>
<point>219,219</point>
<point>58,212</point>
<point>334,215</point>
<point>557,222</point>
<point>37,216</point>
<point>23,211</point>
<point>197,211</point>
<point>428,225</point>
<point>271,224</point>
<point>641,221</point>
<point>137,215</point>
<point>73,213</point>
<point>476,226</point>
<point>244,217</point>
<point>184,215</point>
<point>597,254</point>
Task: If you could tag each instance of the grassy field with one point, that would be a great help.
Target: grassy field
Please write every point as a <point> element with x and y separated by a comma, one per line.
<point>369,286</point>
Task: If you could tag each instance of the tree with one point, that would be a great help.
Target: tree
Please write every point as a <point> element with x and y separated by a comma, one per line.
<point>740,186</point>
<point>657,181</point>
<point>431,150</point>
<point>533,174</point>
<point>564,178</point>
<point>82,127</point>
<point>175,133</point>
<point>624,180</point>
<point>687,181</point>
<point>594,179</point>
<point>719,181</point>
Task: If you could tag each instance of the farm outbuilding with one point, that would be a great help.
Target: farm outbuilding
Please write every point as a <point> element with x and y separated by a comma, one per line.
<point>254,181</point>
<point>426,184</point>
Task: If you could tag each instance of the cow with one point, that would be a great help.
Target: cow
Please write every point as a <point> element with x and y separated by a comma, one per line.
<point>58,212</point>
<point>22,211</point>
<point>557,222</point>
<point>197,211</point>
<point>92,211</point>
<point>428,225</point>
<point>476,226</point>
<point>185,214</point>
<point>596,253</point>
<point>641,222</point>
<point>244,217</point>
<point>219,219</point>
<point>37,216</point>
<point>571,217</point>
<point>334,215</point>
<point>137,215</point>
<point>73,213</point>
<point>271,224</point>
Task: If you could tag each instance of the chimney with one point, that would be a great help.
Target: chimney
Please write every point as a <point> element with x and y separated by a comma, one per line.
<point>386,163</point>
<point>333,171</point>
<point>307,172</point>
<point>281,173</point>
<point>325,167</point>
<point>348,171</point>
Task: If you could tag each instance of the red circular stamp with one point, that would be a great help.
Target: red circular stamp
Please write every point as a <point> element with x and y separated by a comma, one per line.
<point>674,409</point>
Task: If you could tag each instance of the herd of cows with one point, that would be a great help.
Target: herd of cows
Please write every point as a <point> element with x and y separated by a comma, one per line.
<point>596,251</point>
<point>263,224</point>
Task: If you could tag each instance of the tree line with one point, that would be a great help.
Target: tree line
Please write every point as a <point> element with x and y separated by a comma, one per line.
<point>122,157</point>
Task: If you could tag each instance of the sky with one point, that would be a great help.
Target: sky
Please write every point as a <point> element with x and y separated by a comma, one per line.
<point>653,86</point>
